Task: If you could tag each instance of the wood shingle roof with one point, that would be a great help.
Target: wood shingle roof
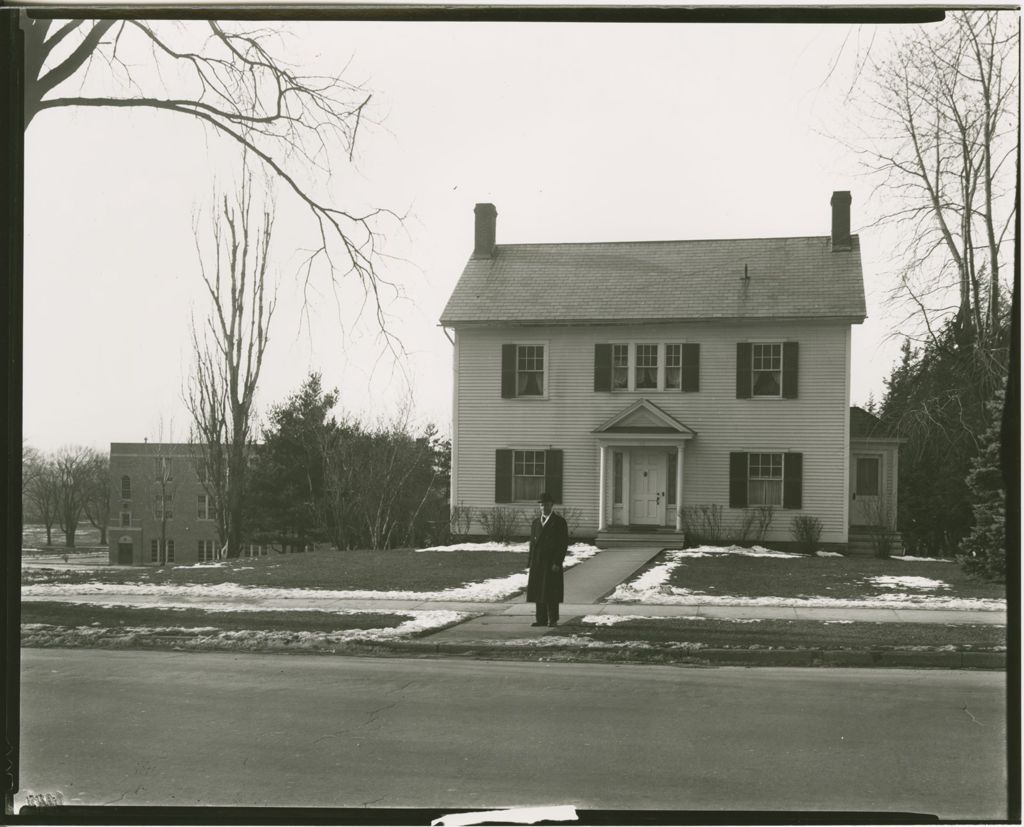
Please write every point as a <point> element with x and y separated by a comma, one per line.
<point>789,278</point>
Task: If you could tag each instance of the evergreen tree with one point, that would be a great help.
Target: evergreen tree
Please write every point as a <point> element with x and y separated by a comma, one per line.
<point>984,549</point>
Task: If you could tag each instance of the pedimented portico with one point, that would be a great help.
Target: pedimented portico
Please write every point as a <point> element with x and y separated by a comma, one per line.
<point>641,459</point>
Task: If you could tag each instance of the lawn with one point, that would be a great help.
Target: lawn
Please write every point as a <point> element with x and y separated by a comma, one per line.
<point>68,624</point>
<point>717,574</point>
<point>395,570</point>
<point>785,634</point>
<point>33,540</point>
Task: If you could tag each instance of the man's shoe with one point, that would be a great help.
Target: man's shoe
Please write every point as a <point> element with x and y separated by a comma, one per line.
<point>538,623</point>
<point>553,624</point>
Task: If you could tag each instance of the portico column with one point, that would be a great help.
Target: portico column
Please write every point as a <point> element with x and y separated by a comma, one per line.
<point>679,486</point>
<point>600,487</point>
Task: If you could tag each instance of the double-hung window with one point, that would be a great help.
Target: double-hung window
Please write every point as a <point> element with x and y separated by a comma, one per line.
<point>647,366</point>
<point>205,551</point>
<point>766,369</point>
<point>203,510</point>
<point>527,475</point>
<point>523,371</point>
<point>163,506</point>
<point>764,479</point>
<point>126,487</point>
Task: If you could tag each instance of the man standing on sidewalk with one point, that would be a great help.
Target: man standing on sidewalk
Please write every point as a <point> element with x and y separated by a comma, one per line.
<point>549,542</point>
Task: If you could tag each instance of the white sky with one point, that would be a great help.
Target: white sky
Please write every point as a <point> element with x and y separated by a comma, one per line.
<point>595,132</point>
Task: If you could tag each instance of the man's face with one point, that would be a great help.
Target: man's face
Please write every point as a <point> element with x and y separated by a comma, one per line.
<point>545,508</point>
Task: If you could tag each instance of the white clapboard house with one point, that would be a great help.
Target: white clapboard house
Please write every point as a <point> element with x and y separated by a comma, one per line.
<point>643,383</point>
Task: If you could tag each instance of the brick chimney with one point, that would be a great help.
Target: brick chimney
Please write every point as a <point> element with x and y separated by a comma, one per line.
<point>841,220</point>
<point>486,215</point>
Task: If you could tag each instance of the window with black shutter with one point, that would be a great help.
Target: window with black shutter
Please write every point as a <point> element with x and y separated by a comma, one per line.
<point>522,371</point>
<point>767,370</point>
<point>523,475</point>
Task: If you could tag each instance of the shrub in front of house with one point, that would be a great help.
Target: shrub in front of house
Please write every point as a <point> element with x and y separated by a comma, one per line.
<point>806,533</point>
<point>500,524</point>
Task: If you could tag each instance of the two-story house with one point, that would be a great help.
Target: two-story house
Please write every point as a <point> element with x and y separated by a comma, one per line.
<point>638,381</point>
<point>161,508</point>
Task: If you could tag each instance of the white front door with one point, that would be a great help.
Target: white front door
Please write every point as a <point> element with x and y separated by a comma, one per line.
<point>647,487</point>
<point>865,489</point>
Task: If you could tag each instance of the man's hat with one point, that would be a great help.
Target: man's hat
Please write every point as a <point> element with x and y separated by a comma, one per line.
<point>546,498</point>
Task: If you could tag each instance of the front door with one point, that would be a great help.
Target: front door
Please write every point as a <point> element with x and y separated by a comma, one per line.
<point>865,489</point>
<point>124,554</point>
<point>647,487</point>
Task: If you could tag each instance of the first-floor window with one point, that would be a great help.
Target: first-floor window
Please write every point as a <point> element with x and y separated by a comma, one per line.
<point>764,479</point>
<point>155,555</point>
<point>527,475</point>
<point>206,551</point>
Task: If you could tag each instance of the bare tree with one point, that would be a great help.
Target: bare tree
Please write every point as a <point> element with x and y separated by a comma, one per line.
<point>228,349</point>
<point>96,500</point>
<point>227,77</point>
<point>71,469</point>
<point>939,121</point>
<point>40,490</point>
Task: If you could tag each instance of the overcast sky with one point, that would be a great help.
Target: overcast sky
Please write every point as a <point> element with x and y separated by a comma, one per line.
<point>595,132</point>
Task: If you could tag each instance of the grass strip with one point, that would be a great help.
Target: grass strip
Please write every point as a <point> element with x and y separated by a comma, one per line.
<point>792,634</point>
<point>73,615</point>
<point>394,570</point>
<point>846,578</point>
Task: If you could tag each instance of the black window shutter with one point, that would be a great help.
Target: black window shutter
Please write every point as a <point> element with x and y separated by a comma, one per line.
<point>793,481</point>
<point>743,369</point>
<point>738,479</point>
<point>691,367</point>
<point>553,474</point>
<point>602,367</point>
<point>503,476</point>
<point>508,371</point>
<point>790,369</point>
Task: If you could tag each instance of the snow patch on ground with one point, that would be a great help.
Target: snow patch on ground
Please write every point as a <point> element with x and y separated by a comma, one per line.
<point>922,559</point>
<point>419,622</point>
<point>888,581</point>
<point>486,591</point>
<point>827,554</point>
<point>652,587</point>
<point>581,550</point>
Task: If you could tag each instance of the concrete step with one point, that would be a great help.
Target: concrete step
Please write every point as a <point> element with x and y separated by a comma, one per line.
<point>860,543</point>
<point>624,539</point>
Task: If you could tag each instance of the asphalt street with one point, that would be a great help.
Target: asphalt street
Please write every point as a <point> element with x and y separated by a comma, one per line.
<point>167,728</point>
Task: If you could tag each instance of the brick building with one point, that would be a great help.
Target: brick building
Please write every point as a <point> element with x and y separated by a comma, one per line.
<point>160,510</point>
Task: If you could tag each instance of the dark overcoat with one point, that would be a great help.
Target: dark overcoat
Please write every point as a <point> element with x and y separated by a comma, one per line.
<point>548,547</point>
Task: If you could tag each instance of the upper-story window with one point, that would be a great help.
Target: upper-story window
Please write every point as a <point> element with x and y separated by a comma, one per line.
<point>647,366</point>
<point>523,370</point>
<point>767,370</point>
<point>203,509</point>
<point>201,474</point>
<point>163,506</point>
<point>126,487</point>
<point>620,367</point>
<point>162,469</point>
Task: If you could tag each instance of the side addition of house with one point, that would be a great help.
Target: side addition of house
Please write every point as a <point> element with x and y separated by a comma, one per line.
<point>639,382</point>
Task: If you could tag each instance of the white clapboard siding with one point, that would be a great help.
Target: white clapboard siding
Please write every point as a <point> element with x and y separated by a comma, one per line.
<point>816,424</point>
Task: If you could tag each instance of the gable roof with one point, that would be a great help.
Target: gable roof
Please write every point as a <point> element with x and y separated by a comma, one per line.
<point>789,278</point>
<point>643,416</point>
<point>865,425</point>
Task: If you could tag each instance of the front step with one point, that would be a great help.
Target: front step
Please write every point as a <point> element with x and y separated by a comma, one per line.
<point>623,538</point>
<point>860,543</point>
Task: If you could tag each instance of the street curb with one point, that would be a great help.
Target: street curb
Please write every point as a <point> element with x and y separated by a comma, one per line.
<point>720,657</point>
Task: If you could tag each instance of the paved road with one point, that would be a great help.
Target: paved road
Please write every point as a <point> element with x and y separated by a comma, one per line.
<point>105,727</point>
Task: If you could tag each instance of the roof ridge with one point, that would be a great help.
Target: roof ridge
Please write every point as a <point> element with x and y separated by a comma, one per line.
<point>667,241</point>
